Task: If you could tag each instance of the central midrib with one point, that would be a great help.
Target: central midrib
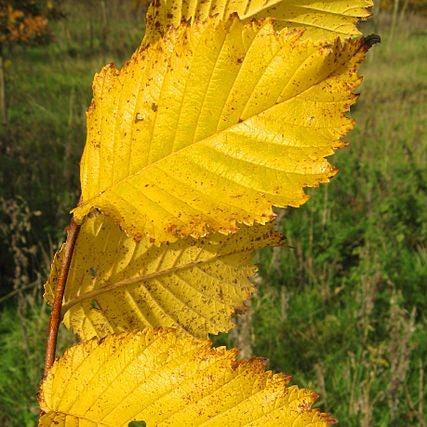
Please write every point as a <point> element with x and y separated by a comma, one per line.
<point>123,283</point>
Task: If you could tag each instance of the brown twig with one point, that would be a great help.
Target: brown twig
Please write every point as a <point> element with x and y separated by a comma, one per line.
<point>55,315</point>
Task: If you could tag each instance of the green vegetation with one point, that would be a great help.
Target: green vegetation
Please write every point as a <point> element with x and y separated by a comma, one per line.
<point>342,307</point>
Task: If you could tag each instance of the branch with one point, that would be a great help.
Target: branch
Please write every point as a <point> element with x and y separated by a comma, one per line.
<point>16,291</point>
<point>55,315</point>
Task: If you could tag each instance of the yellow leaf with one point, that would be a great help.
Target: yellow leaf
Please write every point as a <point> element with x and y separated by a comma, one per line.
<point>49,287</point>
<point>166,378</point>
<point>117,284</point>
<point>321,19</point>
<point>213,125</point>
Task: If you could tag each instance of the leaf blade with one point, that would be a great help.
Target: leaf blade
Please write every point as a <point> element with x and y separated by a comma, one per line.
<point>186,173</point>
<point>170,379</point>
<point>321,20</point>
<point>117,284</point>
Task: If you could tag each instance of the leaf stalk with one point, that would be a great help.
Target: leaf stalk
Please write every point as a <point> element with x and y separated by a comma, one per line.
<point>55,315</point>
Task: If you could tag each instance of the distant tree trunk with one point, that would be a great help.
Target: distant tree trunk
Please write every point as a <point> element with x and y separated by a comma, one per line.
<point>376,16</point>
<point>403,11</point>
<point>242,334</point>
<point>3,105</point>
<point>394,20</point>
<point>69,143</point>
<point>104,29</point>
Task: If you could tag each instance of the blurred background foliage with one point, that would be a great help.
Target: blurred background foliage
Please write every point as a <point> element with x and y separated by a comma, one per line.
<point>342,306</point>
<point>25,21</point>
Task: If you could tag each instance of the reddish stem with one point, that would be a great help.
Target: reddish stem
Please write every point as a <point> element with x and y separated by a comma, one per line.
<point>55,315</point>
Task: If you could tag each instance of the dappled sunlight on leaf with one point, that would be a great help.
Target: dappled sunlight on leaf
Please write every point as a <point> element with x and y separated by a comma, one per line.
<point>213,126</point>
<point>167,378</point>
<point>117,284</point>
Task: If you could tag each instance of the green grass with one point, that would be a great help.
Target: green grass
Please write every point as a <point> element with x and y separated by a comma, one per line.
<point>335,307</point>
<point>341,307</point>
<point>22,340</point>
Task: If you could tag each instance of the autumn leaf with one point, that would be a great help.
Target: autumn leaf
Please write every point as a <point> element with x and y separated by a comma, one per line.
<point>212,126</point>
<point>17,26</point>
<point>323,20</point>
<point>166,378</point>
<point>117,284</point>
